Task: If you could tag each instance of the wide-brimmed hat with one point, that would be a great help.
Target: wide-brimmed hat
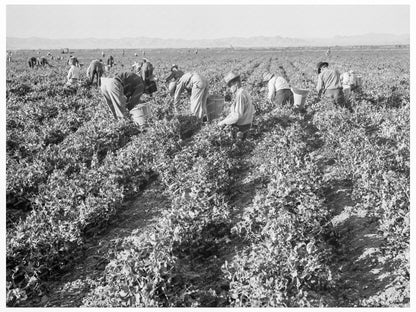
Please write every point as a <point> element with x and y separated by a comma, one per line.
<point>320,65</point>
<point>145,59</point>
<point>267,76</point>
<point>173,66</point>
<point>230,77</point>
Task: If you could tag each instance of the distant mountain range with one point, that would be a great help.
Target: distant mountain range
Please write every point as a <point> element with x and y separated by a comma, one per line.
<point>260,41</point>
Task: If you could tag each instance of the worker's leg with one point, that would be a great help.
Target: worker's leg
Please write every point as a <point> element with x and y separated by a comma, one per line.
<point>118,99</point>
<point>105,87</point>
<point>198,94</point>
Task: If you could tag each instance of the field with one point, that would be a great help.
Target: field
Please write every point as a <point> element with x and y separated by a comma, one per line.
<point>312,209</point>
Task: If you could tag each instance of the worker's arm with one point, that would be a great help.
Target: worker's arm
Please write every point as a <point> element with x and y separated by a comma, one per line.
<point>70,72</point>
<point>143,72</point>
<point>319,85</point>
<point>169,77</point>
<point>236,112</point>
<point>272,90</point>
<point>178,91</point>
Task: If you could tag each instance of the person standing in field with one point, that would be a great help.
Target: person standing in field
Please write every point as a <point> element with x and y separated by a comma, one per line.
<point>110,61</point>
<point>73,75</point>
<point>197,85</point>
<point>329,84</point>
<point>122,93</point>
<point>175,75</point>
<point>96,69</point>
<point>242,109</point>
<point>279,92</point>
<point>9,56</point>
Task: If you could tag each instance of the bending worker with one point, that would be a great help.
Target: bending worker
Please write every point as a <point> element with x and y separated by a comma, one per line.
<point>279,89</point>
<point>146,72</point>
<point>329,84</point>
<point>96,69</point>
<point>122,93</point>
<point>175,75</point>
<point>198,86</point>
<point>242,109</point>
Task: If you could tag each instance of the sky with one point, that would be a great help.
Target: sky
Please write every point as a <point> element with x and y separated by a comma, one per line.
<point>204,21</point>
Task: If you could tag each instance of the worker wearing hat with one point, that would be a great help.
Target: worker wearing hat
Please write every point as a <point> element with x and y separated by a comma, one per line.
<point>122,93</point>
<point>242,109</point>
<point>329,83</point>
<point>197,85</point>
<point>279,89</point>
<point>175,75</point>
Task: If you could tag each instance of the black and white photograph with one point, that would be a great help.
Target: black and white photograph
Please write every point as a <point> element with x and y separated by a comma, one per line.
<point>207,155</point>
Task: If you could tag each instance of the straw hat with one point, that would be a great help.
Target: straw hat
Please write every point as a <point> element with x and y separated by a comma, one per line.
<point>231,76</point>
<point>173,66</point>
<point>267,76</point>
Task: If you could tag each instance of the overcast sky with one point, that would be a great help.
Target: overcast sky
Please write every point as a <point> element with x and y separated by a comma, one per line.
<point>203,22</point>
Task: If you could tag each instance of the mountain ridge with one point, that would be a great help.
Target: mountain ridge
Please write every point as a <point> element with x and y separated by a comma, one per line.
<point>14,43</point>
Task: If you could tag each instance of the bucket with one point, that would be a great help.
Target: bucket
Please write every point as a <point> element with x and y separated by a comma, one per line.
<point>347,91</point>
<point>140,113</point>
<point>215,105</point>
<point>299,96</point>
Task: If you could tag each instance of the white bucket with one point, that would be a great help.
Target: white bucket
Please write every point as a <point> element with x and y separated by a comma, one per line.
<point>140,113</point>
<point>299,96</point>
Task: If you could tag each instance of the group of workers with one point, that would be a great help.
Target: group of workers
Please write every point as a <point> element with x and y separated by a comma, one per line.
<point>123,91</point>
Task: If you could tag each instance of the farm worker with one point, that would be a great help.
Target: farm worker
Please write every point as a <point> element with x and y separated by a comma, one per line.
<point>123,52</point>
<point>242,109</point>
<point>122,93</point>
<point>146,72</point>
<point>278,86</point>
<point>175,75</point>
<point>198,86</point>
<point>96,69</point>
<point>73,58</point>
<point>31,61</point>
<point>42,61</point>
<point>73,74</point>
<point>329,84</point>
<point>9,56</point>
<point>102,54</point>
<point>110,61</point>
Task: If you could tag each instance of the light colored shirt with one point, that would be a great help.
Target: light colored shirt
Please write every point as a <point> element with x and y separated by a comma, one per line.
<point>242,110</point>
<point>187,81</point>
<point>328,79</point>
<point>275,84</point>
<point>73,73</point>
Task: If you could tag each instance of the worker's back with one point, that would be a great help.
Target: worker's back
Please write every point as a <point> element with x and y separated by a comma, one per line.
<point>331,79</point>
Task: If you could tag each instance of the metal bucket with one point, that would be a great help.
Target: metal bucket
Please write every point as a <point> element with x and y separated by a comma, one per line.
<point>140,113</point>
<point>215,105</point>
<point>299,96</point>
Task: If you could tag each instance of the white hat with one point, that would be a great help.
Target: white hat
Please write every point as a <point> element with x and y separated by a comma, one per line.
<point>230,77</point>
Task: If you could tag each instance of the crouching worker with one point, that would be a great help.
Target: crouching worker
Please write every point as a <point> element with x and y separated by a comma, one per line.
<point>198,87</point>
<point>279,92</point>
<point>329,84</point>
<point>73,76</point>
<point>242,109</point>
<point>122,93</point>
